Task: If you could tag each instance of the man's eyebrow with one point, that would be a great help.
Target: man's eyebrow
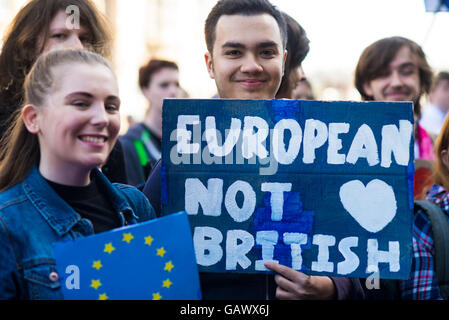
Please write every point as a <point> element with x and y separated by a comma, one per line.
<point>231,44</point>
<point>238,45</point>
<point>267,44</point>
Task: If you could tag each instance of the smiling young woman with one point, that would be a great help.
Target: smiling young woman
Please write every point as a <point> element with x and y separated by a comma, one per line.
<point>51,187</point>
<point>40,26</point>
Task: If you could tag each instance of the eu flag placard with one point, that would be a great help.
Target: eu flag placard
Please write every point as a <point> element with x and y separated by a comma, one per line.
<point>153,260</point>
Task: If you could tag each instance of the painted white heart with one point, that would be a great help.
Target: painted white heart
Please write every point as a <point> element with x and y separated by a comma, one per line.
<point>373,206</point>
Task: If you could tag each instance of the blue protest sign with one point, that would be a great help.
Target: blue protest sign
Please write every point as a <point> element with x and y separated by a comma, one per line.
<point>436,5</point>
<point>152,260</point>
<point>321,187</point>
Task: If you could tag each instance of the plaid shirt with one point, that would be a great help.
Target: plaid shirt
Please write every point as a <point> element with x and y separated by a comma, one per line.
<point>423,283</point>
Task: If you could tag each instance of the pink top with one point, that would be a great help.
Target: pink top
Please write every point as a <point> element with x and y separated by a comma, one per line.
<point>425,144</point>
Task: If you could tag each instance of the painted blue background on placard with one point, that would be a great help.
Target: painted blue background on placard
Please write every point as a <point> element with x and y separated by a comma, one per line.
<point>436,5</point>
<point>313,206</point>
<point>133,270</point>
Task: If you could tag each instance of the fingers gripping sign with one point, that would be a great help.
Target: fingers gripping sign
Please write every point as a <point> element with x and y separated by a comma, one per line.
<point>295,285</point>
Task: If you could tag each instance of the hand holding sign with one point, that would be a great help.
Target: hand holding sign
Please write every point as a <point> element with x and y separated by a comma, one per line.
<point>295,285</point>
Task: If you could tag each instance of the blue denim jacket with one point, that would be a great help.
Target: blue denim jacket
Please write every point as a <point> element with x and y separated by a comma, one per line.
<point>33,216</point>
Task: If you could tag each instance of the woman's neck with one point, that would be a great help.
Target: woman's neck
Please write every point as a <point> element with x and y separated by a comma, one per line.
<point>69,175</point>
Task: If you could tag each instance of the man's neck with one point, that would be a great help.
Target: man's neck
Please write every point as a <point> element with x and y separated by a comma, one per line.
<point>442,108</point>
<point>252,98</point>
<point>153,121</point>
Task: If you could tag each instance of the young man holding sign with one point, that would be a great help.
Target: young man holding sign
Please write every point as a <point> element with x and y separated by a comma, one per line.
<point>246,43</point>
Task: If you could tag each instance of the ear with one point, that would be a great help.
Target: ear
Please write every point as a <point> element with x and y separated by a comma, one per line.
<point>368,90</point>
<point>432,96</point>
<point>209,64</point>
<point>301,73</point>
<point>30,118</point>
<point>145,92</point>
<point>445,158</point>
<point>284,60</point>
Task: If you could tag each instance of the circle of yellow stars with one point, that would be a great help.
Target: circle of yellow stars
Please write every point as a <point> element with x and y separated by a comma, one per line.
<point>128,237</point>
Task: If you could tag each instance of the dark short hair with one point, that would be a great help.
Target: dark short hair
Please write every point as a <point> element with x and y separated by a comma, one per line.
<point>241,7</point>
<point>147,71</point>
<point>376,58</point>
<point>297,49</point>
<point>441,76</point>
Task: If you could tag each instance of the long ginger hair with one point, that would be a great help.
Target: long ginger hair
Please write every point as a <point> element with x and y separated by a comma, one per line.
<point>440,171</point>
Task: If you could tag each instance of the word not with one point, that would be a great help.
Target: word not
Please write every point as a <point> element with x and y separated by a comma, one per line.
<point>255,131</point>
<point>211,198</point>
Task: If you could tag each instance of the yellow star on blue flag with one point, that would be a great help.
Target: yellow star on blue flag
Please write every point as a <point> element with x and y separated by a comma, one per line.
<point>153,260</point>
<point>127,237</point>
